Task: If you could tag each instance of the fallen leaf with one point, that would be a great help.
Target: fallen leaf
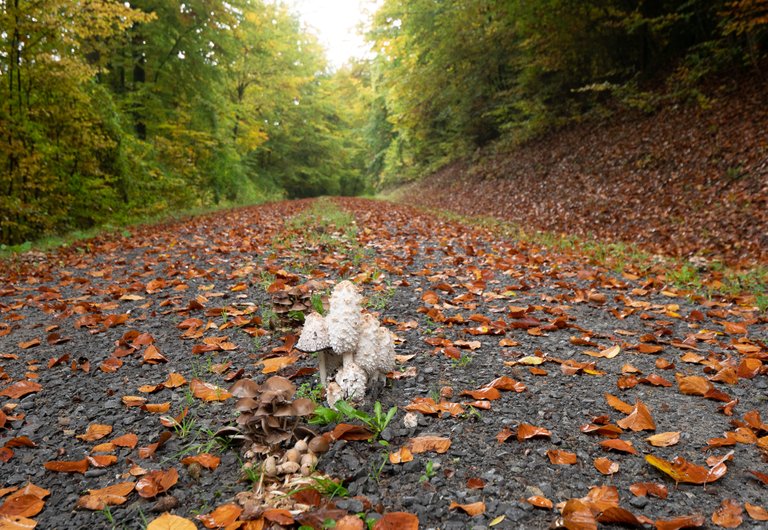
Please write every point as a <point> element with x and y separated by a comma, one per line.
<point>206,460</point>
<point>473,509</point>
<point>208,391</point>
<point>539,502</point>
<point>526,431</point>
<point>664,439</point>
<point>556,456</point>
<point>95,431</point>
<point>16,522</point>
<point>641,489</point>
<point>401,456</point>
<point>683,471</point>
<point>423,444</point>
<point>397,521</point>
<point>223,515</point>
<point>695,520</point>
<point>693,385</point>
<point>728,515</point>
<point>639,420</point>
<point>347,431</point>
<point>99,499</point>
<point>169,521</point>
<point>156,482</point>
<point>623,446</point>
<point>576,515</point>
<point>618,404</point>
<point>127,440</point>
<point>758,513</point>
<point>62,466</point>
<point>606,466</point>
<point>20,389</point>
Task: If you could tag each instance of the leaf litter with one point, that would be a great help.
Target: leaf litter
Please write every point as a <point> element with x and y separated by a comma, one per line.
<point>468,305</point>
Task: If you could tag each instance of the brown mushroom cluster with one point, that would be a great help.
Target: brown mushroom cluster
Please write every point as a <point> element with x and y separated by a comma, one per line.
<point>269,414</point>
<point>292,300</point>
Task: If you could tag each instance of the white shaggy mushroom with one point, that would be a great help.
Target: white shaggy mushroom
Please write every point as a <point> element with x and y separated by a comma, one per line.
<point>314,338</point>
<point>343,320</point>
<point>375,349</point>
<point>350,384</point>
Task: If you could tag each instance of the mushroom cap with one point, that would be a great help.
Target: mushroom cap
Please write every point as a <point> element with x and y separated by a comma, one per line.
<point>314,335</point>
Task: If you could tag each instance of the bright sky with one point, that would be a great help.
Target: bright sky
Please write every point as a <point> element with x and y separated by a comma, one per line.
<point>336,24</point>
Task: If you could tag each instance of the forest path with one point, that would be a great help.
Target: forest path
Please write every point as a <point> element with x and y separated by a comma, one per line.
<point>541,375</point>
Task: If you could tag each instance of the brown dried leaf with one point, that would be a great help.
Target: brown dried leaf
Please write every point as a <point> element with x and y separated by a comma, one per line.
<point>422,444</point>
<point>728,515</point>
<point>475,508</point>
<point>664,439</point>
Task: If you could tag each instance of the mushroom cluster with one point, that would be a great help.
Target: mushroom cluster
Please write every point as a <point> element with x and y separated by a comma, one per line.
<point>349,343</point>
<point>269,415</point>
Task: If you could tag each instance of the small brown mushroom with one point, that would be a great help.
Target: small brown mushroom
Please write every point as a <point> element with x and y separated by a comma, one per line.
<point>318,445</point>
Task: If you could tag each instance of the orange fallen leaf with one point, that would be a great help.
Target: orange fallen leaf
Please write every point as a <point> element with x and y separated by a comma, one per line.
<point>133,401</point>
<point>606,466</point>
<point>758,513</point>
<point>29,344</point>
<point>397,521</point>
<point>664,439</point>
<point>223,515</point>
<point>695,520</point>
<point>423,444</point>
<point>526,431</point>
<point>62,466</point>
<point>346,431</point>
<point>539,502</point>
<point>472,509</point>
<point>641,489</point>
<point>683,471</point>
<point>623,446</point>
<point>156,482</point>
<point>153,356</point>
<point>618,404</point>
<point>127,440</point>
<point>401,456</point>
<point>168,521</point>
<point>556,456</point>
<point>101,460</point>
<point>275,364</point>
<point>95,431</point>
<point>22,505</point>
<point>728,515</point>
<point>206,460</point>
<point>639,420</point>
<point>208,391</point>
<point>577,515</point>
<point>20,389</point>
<point>693,385</point>
<point>16,522</point>
<point>489,393</point>
<point>278,515</point>
<point>99,499</point>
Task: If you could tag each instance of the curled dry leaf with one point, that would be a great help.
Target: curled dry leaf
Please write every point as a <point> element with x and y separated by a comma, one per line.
<point>642,489</point>
<point>397,521</point>
<point>127,440</point>
<point>65,466</point>
<point>423,444</point>
<point>16,522</point>
<point>622,446</point>
<point>618,404</point>
<point>222,516</point>
<point>556,456</point>
<point>472,509</point>
<point>639,420</point>
<point>576,515</point>
<point>693,385</point>
<point>208,391</point>
<point>664,439</point>
<point>206,460</point>
<point>683,471</point>
<point>526,431</point>
<point>95,431</point>
<point>99,499</point>
<point>539,502</point>
<point>758,513</point>
<point>169,521</point>
<point>401,456</point>
<point>606,466</point>
<point>156,482</point>
<point>347,431</point>
<point>728,515</point>
<point>695,520</point>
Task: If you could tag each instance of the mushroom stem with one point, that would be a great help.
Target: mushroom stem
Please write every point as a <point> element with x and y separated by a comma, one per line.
<point>348,359</point>
<point>321,367</point>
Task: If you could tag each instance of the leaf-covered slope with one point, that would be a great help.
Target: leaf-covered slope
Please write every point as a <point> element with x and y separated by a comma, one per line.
<point>684,181</point>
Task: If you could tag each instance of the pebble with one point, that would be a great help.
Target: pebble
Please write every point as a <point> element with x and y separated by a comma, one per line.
<point>638,502</point>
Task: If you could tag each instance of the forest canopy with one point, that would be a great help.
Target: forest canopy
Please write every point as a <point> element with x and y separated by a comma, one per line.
<point>112,111</point>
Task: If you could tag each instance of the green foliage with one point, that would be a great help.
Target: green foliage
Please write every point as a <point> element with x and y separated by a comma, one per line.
<point>376,422</point>
<point>450,77</point>
<point>133,110</point>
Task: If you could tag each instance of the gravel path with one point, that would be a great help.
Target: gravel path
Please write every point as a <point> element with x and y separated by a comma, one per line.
<point>83,328</point>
